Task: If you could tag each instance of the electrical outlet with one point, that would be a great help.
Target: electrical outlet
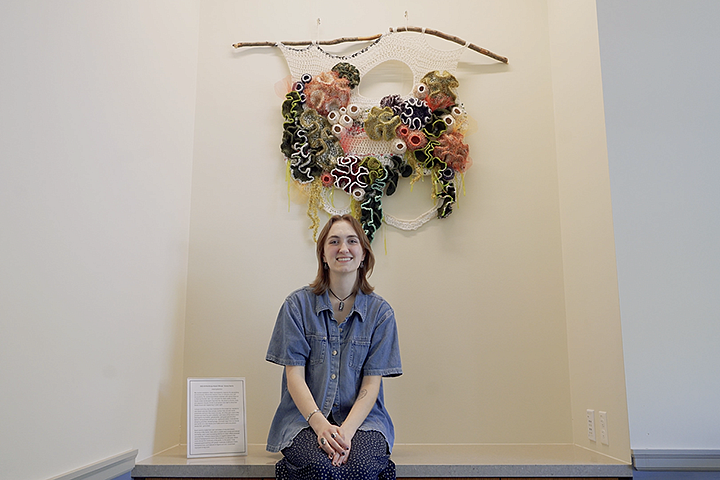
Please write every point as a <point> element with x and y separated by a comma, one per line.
<point>604,428</point>
<point>591,424</point>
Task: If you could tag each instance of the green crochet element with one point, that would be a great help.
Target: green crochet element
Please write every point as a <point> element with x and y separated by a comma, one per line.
<point>397,168</point>
<point>375,168</point>
<point>381,124</point>
<point>294,145</point>
<point>446,191</point>
<point>371,214</point>
<point>325,148</point>
<point>447,197</point>
<point>349,72</point>
<point>291,110</point>
<point>425,157</point>
<point>441,84</point>
<point>292,106</point>
<point>435,128</point>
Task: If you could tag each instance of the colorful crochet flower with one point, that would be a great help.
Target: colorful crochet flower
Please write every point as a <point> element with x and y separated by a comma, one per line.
<point>441,87</point>
<point>435,127</point>
<point>453,151</point>
<point>327,179</point>
<point>375,168</point>
<point>303,167</point>
<point>447,199</point>
<point>414,139</point>
<point>349,72</point>
<point>371,213</point>
<point>350,176</point>
<point>396,168</point>
<point>324,146</point>
<point>393,101</point>
<point>426,158</point>
<point>381,123</point>
<point>294,143</point>
<point>327,92</point>
<point>416,114</point>
<point>292,106</point>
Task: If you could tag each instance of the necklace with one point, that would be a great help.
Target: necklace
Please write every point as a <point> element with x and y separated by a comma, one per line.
<point>342,300</point>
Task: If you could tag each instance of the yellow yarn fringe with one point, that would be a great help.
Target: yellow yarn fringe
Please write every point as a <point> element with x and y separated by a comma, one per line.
<point>417,171</point>
<point>355,210</point>
<point>314,205</point>
<point>384,236</point>
<point>288,178</point>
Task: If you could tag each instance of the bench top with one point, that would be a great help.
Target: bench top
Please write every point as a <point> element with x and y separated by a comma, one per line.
<point>412,460</point>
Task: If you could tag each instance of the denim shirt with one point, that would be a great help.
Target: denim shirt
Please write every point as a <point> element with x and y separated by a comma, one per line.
<point>336,357</point>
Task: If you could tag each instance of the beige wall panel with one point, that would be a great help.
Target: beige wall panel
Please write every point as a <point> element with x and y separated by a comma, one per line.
<point>479,296</point>
<point>597,375</point>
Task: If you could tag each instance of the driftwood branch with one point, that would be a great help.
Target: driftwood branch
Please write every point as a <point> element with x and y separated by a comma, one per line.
<point>336,41</point>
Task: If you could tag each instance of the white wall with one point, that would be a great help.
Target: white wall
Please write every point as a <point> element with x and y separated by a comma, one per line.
<point>97,107</point>
<point>660,78</point>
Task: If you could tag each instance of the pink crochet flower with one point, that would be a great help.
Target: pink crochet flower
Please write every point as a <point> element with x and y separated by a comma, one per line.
<point>327,179</point>
<point>327,92</point>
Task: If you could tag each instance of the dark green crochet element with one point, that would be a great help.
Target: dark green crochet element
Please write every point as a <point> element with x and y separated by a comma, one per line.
<point>371,214</point>
<point>349,72</point>
<point>447,196</point>
<point>435,128</point>
<point>397,168</point>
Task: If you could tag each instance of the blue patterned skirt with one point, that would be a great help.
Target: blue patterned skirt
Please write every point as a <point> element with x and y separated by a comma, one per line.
<point>304,460</point>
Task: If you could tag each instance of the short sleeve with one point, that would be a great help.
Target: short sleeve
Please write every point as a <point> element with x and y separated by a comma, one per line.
<point>384,356</point>
<point>288,345</point>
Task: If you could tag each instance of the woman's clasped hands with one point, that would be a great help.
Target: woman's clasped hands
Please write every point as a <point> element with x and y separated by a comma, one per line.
<point>333,440</point>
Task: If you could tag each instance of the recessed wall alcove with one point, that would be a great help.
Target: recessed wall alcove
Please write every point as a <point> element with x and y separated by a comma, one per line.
<point>507,310</point>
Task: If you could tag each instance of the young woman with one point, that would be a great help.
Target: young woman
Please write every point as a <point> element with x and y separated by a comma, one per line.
<point>336,340</point>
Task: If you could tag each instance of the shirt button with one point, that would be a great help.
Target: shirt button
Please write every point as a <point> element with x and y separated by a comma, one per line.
<point>333,376</point>
<point>334,352</point>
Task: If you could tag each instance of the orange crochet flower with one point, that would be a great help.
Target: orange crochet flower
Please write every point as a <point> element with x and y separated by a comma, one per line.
<point>453,151</point>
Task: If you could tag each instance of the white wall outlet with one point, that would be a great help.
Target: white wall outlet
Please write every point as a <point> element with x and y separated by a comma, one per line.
<point>591,424</point>
<point>604,428</point>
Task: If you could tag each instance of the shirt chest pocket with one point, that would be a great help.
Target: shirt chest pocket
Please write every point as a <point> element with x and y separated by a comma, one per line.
<point>359,348</point>
<point>318,346</point>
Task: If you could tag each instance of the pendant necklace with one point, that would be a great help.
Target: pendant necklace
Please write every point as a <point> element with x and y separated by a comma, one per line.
<point>342,300</point>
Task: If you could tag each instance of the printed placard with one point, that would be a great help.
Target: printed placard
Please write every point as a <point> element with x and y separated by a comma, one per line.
<point>216,417</point>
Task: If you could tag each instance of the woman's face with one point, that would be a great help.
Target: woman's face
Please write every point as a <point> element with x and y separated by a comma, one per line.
<point>343,251</point>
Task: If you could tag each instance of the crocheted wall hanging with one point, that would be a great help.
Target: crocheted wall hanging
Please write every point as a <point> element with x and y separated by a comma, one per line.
<point>335,139</point>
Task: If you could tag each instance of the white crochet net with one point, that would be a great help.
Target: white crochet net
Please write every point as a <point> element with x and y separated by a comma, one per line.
<point>409,48</point>
<point>391,220</point>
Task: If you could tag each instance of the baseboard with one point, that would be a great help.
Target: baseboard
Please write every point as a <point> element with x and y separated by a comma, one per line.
<point>676,460</point>
<point>107,469</point>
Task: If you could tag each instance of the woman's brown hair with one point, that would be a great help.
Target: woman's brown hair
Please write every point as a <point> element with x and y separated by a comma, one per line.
<point>322,280</point>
